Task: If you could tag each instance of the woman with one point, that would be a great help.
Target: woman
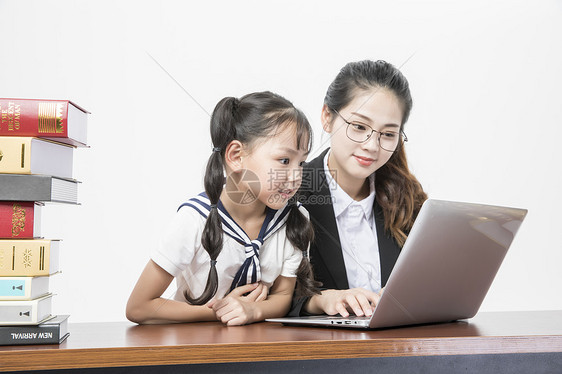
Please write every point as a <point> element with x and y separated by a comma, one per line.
<point>360,194</point>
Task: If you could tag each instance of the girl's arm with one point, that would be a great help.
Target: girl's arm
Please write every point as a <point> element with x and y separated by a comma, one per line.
<point>146,305</point>
<point>236,309</point>
<point>359,300</point>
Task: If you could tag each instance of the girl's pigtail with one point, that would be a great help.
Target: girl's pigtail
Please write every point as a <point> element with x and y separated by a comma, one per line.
<point>222,132</point>
<point>300,233</point>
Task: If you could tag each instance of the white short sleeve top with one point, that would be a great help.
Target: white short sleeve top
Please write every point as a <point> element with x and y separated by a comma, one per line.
<point>181,254</point>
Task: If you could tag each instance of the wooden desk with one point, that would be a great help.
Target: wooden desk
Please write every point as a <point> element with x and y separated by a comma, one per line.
<point>122,344</point>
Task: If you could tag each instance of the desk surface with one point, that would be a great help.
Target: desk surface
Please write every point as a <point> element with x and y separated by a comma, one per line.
<point>120,344</point>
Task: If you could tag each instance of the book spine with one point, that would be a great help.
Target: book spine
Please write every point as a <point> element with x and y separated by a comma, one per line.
<point>25,187</point>
<point>15,155</point>
<point>28,117</point>
<point>20,335</point>
<point>21,257</point>
<point>28,312</point>
<point>15,288</point>
<point>17,219</point>
<point>39,188</point>
<point>26,155</point>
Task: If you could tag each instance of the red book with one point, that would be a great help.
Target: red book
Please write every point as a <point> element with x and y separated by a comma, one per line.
<point>20,219</point>
<point>58,120</point>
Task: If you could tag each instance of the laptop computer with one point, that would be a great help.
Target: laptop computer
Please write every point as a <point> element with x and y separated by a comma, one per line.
<point>444,270</point>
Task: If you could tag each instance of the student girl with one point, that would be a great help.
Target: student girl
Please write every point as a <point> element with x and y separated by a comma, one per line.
<point>360,194</point>
<point>236,252</point>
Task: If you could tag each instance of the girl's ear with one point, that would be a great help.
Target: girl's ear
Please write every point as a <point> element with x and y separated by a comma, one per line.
<point>326,119</point>
<point>233,155</point>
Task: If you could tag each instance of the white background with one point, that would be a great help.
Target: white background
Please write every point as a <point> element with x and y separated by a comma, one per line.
<point>485,127</point>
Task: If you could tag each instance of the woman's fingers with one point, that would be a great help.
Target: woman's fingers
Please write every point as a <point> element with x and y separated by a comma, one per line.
<point>353,304</point>
<point>357,300</point>
<point>341,309</point>
<point>364,305</point>
<point>374,298</point>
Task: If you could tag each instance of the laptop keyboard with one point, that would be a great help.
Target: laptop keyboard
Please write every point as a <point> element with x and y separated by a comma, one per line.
<point>351,318</point>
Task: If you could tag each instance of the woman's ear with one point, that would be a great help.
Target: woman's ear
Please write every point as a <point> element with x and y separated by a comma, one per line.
<point>326,119</point>
<point>233,156</point>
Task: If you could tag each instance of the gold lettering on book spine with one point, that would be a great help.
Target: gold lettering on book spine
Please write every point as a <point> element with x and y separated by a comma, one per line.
<point>10,116</point>
<point>27,259</point>
<point>51,118</point>
<point>18,220</point>
<point>3,117</point>
<point>17,117</point>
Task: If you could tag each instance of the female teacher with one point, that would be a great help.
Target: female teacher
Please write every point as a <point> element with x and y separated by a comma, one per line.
<point>360,194</point>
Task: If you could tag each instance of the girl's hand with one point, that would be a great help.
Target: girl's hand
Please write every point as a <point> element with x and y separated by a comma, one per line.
<point>360,301</point>
<point>259,294</point>
<point>236,309</point>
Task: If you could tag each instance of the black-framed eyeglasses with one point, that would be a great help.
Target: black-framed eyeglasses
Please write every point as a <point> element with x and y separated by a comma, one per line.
<point>388,140</point>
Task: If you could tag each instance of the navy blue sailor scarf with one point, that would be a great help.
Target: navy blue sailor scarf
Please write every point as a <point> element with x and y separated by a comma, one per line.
<point>250,271</point>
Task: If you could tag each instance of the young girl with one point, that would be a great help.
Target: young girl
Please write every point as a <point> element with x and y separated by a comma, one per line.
<point>237,251</point>
<point>363,199</point>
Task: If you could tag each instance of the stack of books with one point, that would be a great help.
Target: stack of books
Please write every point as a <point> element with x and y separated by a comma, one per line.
<point>37,141</point>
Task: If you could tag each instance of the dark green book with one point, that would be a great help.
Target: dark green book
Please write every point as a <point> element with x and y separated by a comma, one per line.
<point>20,187</point>
<point>53,331</point>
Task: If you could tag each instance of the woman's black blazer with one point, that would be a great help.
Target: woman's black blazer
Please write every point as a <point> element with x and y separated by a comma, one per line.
<point>326,254</point>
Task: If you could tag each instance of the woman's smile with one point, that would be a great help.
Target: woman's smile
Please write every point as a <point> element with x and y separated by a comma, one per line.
<point>364,161</point>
